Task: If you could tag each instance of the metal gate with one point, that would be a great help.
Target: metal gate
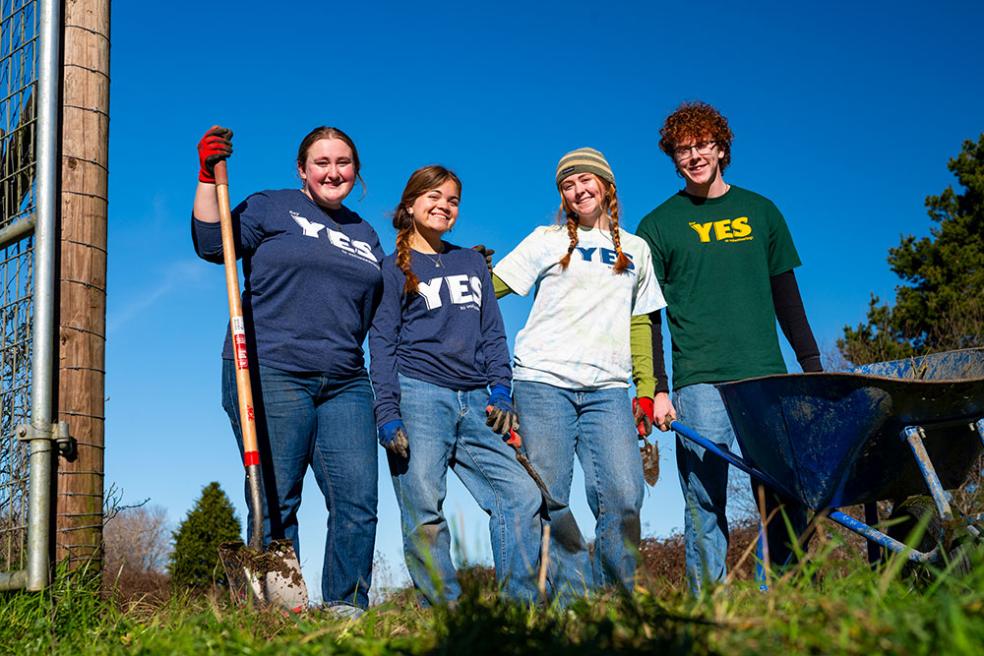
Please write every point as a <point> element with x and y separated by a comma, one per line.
<point>29,71</point>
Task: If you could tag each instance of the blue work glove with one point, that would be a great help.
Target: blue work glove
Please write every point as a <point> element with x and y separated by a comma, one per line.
<point>393,437</point>
<point>501,417</point>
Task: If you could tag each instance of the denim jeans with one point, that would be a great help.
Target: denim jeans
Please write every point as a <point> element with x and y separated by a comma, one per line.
<point>307,419</point>
<point>704,481</point>
<point>446,428</point>
<point>596,425</point>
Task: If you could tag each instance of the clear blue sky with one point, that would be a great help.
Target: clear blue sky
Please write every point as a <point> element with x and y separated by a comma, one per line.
<point>845,115</point>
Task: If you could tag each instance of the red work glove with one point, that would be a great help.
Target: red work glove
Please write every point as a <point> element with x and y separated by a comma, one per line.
<point>214,147</point>
<point>642,410</point>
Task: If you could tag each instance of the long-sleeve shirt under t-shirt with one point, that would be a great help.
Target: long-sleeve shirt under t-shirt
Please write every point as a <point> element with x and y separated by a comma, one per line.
<point>448,333</point>
<point>312,281</point>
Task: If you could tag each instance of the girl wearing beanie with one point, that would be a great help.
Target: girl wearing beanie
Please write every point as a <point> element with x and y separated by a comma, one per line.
<point>440,369</point>
<point>594,288</point>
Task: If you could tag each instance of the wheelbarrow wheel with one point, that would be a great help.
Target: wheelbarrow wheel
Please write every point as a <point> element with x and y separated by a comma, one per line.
<point>908,515</point>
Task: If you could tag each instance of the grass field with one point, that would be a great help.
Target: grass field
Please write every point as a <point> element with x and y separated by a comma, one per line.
<point>829,604</point>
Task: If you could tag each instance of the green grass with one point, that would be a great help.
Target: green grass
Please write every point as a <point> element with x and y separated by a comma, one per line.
<point>823,606</point>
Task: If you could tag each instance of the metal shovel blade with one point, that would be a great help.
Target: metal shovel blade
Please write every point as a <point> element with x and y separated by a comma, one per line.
<point>650,461</point>
<point>271,577</point>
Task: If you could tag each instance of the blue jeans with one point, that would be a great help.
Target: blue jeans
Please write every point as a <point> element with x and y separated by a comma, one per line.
<point>596,425</point>
<point>446,428</point>
<point>704,481</point>
<point>307,419</point>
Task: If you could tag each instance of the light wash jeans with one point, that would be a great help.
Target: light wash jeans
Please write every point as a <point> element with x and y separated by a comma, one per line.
<point>596,425</point>
<point>704,481</point>
<point>446,428</point>
<point>311,420</point>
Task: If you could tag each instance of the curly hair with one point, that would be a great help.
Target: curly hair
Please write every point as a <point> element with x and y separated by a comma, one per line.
<point>421,181</point>
<point>696,120</point>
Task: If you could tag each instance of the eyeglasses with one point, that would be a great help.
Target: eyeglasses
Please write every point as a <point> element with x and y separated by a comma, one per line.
<point>682,153</point>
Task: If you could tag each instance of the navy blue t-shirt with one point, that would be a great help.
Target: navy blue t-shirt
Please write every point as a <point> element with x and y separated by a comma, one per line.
<point>312,281</point>
<point>449,333</point>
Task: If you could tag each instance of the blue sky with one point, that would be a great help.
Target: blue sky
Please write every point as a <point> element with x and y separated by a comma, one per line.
<point>844,115</point>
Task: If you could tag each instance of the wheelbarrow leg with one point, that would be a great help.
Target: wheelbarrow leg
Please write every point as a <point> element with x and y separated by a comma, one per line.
<point>914,436</point>
<point>980,428</point>
<point>762,545</point>
<point>871,519</point>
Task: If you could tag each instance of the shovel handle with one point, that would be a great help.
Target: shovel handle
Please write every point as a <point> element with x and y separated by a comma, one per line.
<point>247,415</point>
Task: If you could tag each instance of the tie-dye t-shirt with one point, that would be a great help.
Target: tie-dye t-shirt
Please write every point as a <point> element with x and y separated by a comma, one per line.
<point>577,335</point>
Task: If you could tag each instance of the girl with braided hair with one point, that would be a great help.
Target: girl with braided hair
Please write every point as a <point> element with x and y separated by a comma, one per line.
<point>594,288</point>
<point>440,369</point>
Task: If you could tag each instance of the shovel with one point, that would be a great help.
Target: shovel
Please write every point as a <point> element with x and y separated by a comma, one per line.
<point>274,575</point>
<point>648,450</point>
<point>565,530</point>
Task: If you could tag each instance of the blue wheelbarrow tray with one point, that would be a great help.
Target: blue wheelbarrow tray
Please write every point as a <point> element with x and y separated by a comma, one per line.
<point>834,439</point>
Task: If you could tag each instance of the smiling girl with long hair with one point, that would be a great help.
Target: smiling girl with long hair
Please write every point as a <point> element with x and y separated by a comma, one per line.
<point>440,368</point>
<point>594,288</point>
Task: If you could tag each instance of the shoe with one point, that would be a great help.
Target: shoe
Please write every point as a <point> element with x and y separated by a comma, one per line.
<point>344,611</point>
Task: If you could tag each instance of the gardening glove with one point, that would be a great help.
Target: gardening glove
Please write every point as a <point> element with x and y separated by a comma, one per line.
<point>393,437</point>
<point>487,253</point>
<point>642,412</point>
<point>500,414</point>
<point>214,147</point>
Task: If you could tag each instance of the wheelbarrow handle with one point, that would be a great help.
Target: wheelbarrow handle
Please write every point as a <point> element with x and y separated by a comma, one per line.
<point>732,458</point>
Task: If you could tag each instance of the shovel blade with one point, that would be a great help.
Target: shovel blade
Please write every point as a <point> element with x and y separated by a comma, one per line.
<point>270,577</point>
<point>650,462</point>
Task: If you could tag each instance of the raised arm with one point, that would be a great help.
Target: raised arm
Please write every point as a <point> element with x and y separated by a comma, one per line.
<point>214,147</point>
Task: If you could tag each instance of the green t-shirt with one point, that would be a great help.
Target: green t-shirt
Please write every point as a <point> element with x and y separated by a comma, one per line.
<point>713,258</point>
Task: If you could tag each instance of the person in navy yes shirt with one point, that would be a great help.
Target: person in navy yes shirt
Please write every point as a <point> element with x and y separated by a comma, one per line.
<point>438,346</point>
<point>312,283</point>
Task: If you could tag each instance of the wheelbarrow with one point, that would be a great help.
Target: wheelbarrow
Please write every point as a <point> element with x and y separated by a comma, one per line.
<point>906,431</point>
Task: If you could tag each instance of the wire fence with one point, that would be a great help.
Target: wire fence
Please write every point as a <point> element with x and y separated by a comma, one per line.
<point>18,82</point>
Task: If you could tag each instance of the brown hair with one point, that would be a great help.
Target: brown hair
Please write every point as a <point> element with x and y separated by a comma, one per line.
<point>609,205</point>
<point>328,132</point>
<point>424,179</point>
<point>696,120</point>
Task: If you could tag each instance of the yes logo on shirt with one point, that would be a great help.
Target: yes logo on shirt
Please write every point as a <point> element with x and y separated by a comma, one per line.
<point>603,255</point>
<point>336,238</point>
<point>462,289</point>
<point>728,230</point>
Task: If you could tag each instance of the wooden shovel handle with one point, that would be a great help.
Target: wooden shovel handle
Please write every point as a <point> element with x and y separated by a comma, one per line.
<point>247,416</point>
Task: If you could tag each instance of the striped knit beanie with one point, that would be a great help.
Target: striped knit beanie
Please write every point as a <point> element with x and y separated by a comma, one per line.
<point>584,160</point>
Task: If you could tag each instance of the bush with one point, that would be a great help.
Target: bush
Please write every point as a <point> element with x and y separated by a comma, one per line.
<point>195,560</point>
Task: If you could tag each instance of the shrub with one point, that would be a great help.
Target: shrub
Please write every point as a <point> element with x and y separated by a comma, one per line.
<point>195,559</point>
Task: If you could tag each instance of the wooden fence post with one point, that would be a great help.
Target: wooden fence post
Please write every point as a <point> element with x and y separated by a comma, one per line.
<point>82,316</point>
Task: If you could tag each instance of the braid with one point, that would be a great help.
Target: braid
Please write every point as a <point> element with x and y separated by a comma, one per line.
<point>572,233</point>
<point>421,181</point>
<point>622,262</point>
<point>404,223</point>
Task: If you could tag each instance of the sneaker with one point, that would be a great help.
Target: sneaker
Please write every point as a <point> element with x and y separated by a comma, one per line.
<point>344,611</point>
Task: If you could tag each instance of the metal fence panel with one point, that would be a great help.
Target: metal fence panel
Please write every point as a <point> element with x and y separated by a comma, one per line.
<point>19,40</point>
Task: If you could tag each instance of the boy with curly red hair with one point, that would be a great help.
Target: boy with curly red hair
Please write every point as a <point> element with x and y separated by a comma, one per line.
<point>724,258</point>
